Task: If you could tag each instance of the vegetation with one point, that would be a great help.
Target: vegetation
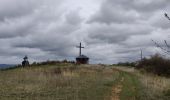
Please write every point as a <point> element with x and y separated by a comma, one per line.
<point>68,81</point>
<point>48,62</point>
<point>127,64</point>
<point>57,82</point>
<point>156,64</point>
<point>147,86</point>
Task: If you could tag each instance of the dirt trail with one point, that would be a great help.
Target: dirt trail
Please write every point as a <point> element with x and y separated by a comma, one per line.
<point>116,90</point>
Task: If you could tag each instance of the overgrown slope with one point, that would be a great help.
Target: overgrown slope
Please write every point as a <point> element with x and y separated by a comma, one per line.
<point>57,82</point>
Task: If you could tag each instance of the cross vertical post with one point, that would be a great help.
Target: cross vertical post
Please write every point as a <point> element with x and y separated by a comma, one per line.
<point>141,54</point>
<point>80,49</point>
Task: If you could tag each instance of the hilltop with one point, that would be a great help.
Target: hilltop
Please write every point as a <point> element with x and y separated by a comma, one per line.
<point>65,81</point>
<point>2,66</point>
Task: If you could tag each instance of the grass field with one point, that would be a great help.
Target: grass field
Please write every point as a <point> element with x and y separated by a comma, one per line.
<point>152,87</point>
<point>62,82</point>
<point>70,82</point>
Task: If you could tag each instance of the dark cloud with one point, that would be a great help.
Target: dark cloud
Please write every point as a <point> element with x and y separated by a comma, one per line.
<point>111,30</point>
<point>17,8</point>
<point>127,11</point>
<point>130,24</point>
<point>57,39</point>
<point>17,27</point>
<point>117,33</point>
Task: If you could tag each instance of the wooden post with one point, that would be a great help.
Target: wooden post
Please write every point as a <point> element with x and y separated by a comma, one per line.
<point>80,49</point>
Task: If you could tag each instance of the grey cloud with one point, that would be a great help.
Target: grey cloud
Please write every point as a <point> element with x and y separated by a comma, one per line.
<point>109,14</point>
<point>139,5</point>
<point>36,15</point>
<point>17,27</point>
<point>57,39</point>
<point>129,25</point>
<point>49,29</point>
<point>127,11</point>
<point>73,18</point>
<point>17,8</point>
<point>117,33</point>
<point>159,21</point>
<point>53,44</point>
<point>150,5</point>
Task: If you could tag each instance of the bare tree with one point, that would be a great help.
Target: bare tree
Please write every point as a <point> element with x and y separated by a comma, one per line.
<point>166,47</point>
<point>166,15</point>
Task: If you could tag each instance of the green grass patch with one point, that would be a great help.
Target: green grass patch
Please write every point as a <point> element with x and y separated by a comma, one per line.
<point>132,88</point>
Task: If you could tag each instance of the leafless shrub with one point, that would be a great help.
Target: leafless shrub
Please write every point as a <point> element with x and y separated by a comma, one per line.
<point>156,64</point>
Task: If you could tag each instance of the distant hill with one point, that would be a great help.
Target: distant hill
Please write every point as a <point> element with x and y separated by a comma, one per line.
<point>3,66</point>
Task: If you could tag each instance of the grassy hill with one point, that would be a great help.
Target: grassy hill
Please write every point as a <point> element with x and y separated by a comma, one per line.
<point>56,82</point>
<point>70,82</point>
<point>3,66</point>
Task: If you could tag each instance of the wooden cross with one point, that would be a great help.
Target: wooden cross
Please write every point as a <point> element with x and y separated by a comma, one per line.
<point>80,49</point>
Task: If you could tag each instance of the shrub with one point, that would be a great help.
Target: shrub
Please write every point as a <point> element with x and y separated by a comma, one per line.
<point>48,62</point>
<point>155,64</point>
<point>130,64</point>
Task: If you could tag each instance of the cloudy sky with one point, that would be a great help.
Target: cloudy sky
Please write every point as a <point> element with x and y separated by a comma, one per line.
<point>110,30</point>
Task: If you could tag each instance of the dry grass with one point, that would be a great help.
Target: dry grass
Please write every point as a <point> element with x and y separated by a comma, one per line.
<point>80,82</point>
<point>154,86</point>
<point>68,82</point>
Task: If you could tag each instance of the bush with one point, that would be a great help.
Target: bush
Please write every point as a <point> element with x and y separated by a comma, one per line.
<point>51,62</point>
<point>129,64</point>
<point>156,64</point>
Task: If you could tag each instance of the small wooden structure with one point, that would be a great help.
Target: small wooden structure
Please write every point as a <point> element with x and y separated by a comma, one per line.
<point>81,59</point>
<point>25,62</point>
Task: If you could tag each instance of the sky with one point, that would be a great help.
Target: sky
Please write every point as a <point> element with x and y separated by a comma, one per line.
<point>110,30</point>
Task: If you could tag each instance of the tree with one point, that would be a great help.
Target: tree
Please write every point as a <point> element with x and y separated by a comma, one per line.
<point>166,47</point>
<point>166,15</point>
